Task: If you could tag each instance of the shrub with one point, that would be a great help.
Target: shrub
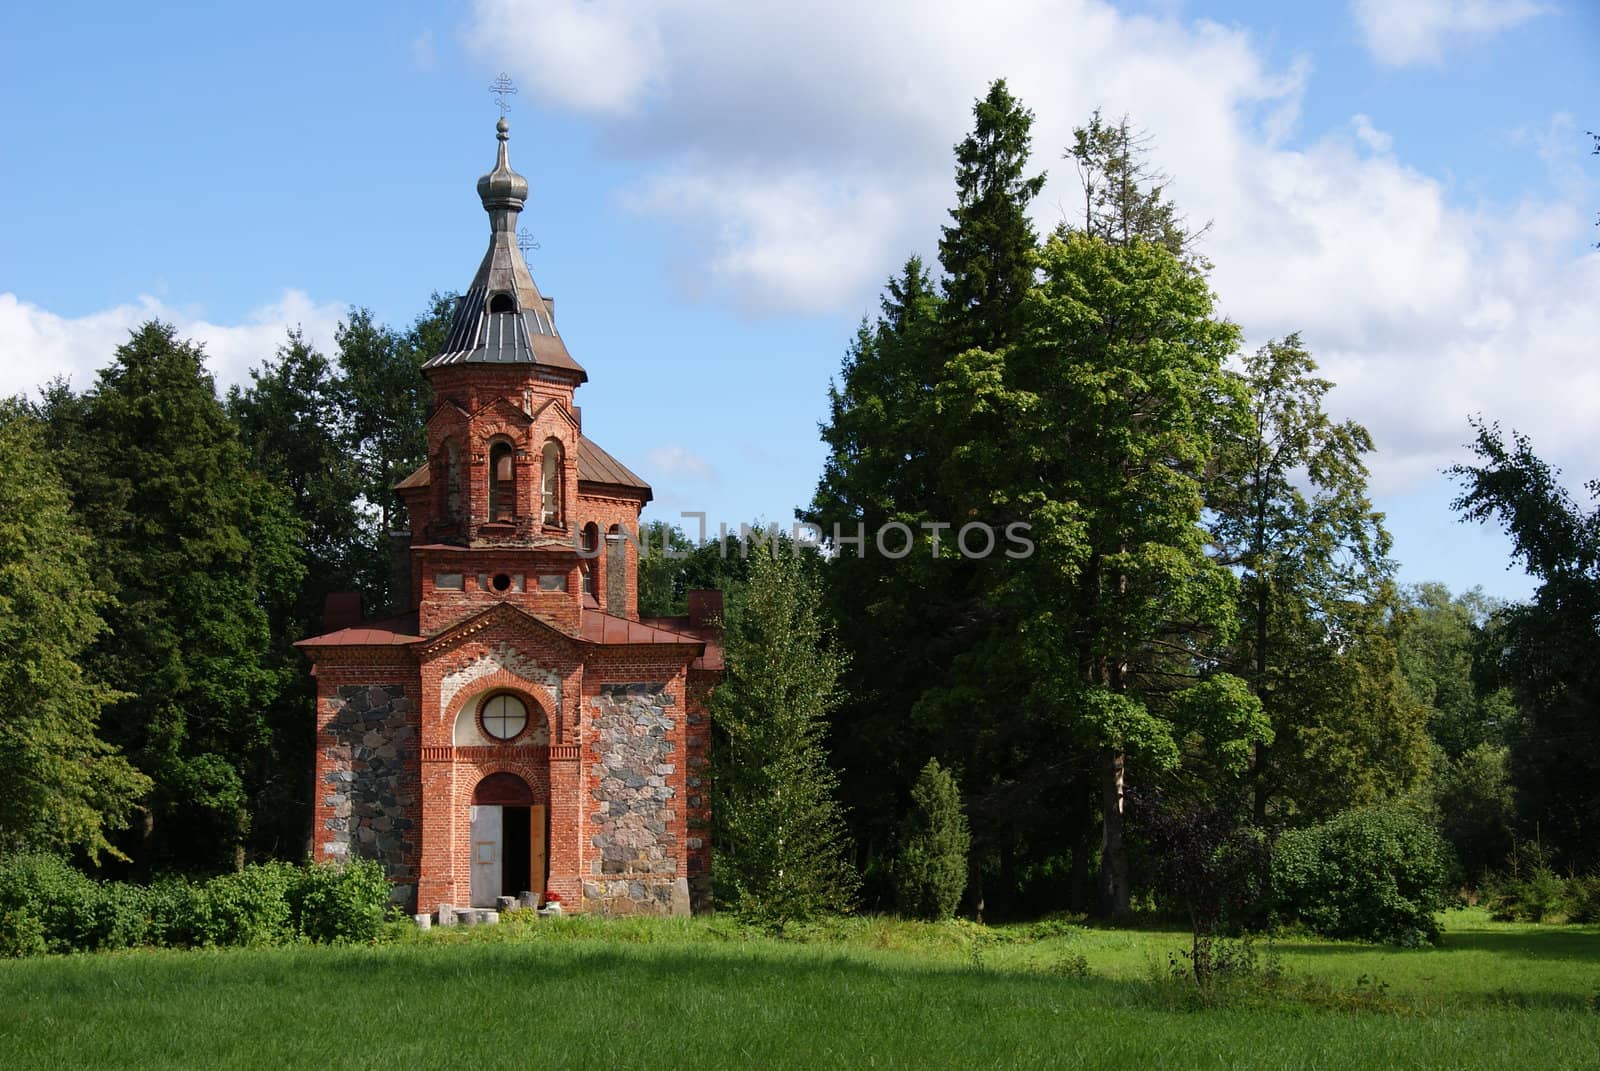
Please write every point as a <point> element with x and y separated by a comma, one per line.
<point>47,906</point>
<point>49,899</point>
<point>931,871</point>
<point>1368,875</point>
<point>339,903</point>
<point>250,907</point>
<point>1583,898</point>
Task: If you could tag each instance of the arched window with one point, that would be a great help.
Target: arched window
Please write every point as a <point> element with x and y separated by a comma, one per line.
<point>502,482</point>
<point>502,303</point>
<point>450,483</point>
<point>550,486</point>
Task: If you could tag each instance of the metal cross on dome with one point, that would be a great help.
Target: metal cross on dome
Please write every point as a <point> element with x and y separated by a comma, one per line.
<point>525,241</point>
<point>503,87</point>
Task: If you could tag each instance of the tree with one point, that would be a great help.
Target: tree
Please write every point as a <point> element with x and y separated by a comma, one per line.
<point>61,786</point>
<point>1117,400</point>
<point>1289,510</point>
<point>662,591</point>
<point>1208,859</point>
<point>1123,194</point>
<point>1443,641</point>
<point>387,403</point>
<point>780,851</point>
<point>1549,648</point>
<point>194,545</point>
<point>931,870</point>
<point>292,424</point>
<point>988,248</point>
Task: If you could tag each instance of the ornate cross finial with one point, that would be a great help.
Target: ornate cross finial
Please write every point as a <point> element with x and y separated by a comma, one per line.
<point>525,241</point>
<point>502,88</point>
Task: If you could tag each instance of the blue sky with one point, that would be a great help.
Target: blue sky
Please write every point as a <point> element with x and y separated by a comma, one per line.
<point>720,188</point>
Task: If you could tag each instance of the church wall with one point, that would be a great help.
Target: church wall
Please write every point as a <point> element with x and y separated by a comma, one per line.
<point>366,789</point>
<point>633,757</point>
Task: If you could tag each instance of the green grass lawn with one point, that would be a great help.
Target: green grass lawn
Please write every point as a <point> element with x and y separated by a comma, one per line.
<point>860,993</point>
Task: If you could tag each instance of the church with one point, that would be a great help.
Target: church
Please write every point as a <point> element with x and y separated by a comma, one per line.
<point>520,729</point>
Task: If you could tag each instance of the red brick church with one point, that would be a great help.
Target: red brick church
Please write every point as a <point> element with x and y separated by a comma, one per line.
<point>521,729</point>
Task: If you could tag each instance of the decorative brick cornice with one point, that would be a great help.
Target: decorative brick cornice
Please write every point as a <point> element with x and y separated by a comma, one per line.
<point>501,753</point>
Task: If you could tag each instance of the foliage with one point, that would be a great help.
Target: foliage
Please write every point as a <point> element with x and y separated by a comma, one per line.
<point>192,543</point>
<point>1371,874</point>
<point>48,906</point>
<point>1123,194</point>
<point>1289,509</point>
<point>61,785</point>
<point>1548,651</point>
<point>1444,642</point>
<point>1113,405</point>
<point>779,851</point>
<point>385,399</point>
<point>987,248</point>
<point>1477,812</point>
<point>931,869</point>
<point>1210,860</point>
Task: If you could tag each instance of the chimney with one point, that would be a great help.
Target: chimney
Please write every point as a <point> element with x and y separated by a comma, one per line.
<point>341,609</point>
<point>705,609</point>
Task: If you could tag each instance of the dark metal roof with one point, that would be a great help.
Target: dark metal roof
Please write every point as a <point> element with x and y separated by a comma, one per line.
<point>597,466</point>
<point>525,332</point>
<point>594,466</point>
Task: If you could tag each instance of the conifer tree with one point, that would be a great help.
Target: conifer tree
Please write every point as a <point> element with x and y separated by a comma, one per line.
<point>780,851</point>
<point>931,870</point>
<point>62,787</point>
<point>194,545</point>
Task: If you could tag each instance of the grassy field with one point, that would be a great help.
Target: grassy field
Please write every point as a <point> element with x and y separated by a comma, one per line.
<point>860,993</point>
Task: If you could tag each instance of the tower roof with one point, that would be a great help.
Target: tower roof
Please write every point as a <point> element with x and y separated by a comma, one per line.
<point>502,318</point>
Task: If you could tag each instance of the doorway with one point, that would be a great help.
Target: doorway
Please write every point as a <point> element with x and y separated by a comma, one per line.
<point>509,834</point>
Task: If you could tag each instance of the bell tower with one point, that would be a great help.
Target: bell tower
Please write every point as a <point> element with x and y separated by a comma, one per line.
<point>513,494</point>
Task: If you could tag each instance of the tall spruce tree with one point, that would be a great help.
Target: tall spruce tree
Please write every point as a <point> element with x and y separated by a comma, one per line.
<point>62,787</point>
<point>780,850</point>
<point>194,545</point>
<point>989,248</point>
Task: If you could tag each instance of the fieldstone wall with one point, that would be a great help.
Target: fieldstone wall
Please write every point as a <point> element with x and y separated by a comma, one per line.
<point>371,801</point>
<point>634,806</point>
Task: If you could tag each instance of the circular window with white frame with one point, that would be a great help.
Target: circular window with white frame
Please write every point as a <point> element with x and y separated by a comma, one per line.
<point>503,717</point>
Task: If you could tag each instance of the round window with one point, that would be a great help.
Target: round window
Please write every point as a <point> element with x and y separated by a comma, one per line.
<point>504,716</point>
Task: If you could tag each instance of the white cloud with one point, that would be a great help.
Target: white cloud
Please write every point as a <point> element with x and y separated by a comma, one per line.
<point>804,151</point>
<point>678,463</point>
<point>37,345</point>
<point>1400,33</point>
<point>1369,135</point>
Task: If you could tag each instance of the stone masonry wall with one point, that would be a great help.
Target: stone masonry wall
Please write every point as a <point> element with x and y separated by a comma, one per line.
<point>368,803</point>
<point>637,865</point>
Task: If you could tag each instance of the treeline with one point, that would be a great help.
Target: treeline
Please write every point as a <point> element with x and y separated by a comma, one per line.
<point>161,549</point>
<point>1208,634</point>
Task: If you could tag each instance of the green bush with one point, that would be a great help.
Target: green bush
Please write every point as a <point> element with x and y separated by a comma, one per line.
<point>931,870</point>
<point>340,903</point>
<point>49,898</point>
<point>1367,875</point>
<point>250,907</point>
<point>1583,898</point>
<point>47,906</point>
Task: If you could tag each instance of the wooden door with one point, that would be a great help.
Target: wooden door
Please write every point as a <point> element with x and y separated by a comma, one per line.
<point>537,849</point>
